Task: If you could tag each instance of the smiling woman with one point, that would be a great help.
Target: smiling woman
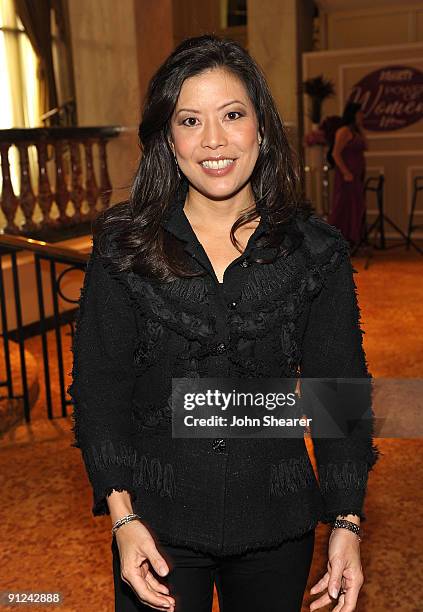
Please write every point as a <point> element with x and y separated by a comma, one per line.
<point>216,146</point>
<point>216,268</point>
<point>216,140</point>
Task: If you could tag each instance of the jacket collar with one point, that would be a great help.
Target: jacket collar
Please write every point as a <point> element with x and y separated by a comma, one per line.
<point>178,224</point>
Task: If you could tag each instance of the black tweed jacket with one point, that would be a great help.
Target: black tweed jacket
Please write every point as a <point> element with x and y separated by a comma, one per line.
<point>295,317</point>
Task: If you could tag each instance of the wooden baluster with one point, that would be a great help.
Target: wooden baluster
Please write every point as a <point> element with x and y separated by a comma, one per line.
<point>45,195</point>
<point>9,202</point>
<point>62,193</point>
<point>90,183</point>
<point>105,184</point>
<point>77,189</point>
<point>75,199</point>
<point>26,198</point>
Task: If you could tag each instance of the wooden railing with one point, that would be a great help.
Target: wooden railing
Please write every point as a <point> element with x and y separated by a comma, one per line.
<point>64,156</point>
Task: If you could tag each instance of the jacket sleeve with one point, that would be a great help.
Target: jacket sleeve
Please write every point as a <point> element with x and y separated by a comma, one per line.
<point>102,383</point>
<point>332,348</point>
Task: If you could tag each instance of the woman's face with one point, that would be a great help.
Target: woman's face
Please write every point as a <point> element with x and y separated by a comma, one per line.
<point>214,130</point>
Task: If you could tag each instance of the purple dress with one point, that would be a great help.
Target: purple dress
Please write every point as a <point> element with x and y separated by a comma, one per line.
<point>348,202</point>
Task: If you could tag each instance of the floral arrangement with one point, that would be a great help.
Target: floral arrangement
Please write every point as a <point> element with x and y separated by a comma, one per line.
<point>315,137</point>
<point>318,89</point>
<point>324,135</point>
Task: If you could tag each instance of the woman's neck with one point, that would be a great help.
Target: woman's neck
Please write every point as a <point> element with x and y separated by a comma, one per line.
<point>206,212</point>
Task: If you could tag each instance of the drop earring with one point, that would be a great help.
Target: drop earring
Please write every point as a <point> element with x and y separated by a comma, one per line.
<point>260,140</point>
<point>177,166</point>
<point>172,146</point>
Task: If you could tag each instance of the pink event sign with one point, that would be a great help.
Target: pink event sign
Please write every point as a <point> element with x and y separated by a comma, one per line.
<point>391,98</point>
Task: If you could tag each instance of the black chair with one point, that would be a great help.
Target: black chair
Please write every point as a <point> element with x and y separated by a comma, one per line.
<point>417,187</point>
<point>375,185</point>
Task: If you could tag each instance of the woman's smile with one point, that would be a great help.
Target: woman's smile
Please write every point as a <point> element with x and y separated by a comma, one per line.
<point>218,166</point>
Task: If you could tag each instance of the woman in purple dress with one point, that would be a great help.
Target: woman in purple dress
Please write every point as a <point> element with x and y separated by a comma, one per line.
<point>348,203</point>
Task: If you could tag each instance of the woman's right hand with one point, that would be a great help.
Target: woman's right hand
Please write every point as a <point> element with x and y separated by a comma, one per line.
<point>138,556</point>
<point>348,177</point>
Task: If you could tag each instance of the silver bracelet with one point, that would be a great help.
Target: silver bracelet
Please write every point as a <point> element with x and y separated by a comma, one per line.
<point>124,520</point>
<point>348,525</point>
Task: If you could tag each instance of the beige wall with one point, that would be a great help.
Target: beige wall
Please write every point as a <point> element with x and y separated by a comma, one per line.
<point>106,78</point>
<point>398,154</point>
<point>272,35</point>
<point>395,23</point>
<point>278,32</point>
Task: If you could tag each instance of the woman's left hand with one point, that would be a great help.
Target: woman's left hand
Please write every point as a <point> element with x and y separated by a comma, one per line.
<point>344,569</point>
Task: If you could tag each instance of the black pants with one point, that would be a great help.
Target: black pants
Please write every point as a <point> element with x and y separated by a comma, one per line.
<point>273,580</point>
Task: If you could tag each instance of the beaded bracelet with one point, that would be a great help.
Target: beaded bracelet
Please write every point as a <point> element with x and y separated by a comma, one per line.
<point>348,525</point>
<point>124,520</point>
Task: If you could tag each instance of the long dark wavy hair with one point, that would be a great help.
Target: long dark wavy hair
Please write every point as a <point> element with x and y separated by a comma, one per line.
<point>350,111</point>
<point>141,243</point>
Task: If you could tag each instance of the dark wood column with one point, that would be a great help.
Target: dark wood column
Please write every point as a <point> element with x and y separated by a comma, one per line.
<point>154,37</point>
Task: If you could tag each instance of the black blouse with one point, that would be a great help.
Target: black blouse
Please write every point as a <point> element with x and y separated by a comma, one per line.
<point>295,317</point>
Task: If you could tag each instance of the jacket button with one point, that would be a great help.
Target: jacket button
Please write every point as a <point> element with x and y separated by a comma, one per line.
<point>244,263</point>
<point>221,348</point>
<point>233,304</point>
<point>219,445</point>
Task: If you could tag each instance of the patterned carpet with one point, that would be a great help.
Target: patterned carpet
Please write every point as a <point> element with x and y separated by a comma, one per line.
<point>50,542</point>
